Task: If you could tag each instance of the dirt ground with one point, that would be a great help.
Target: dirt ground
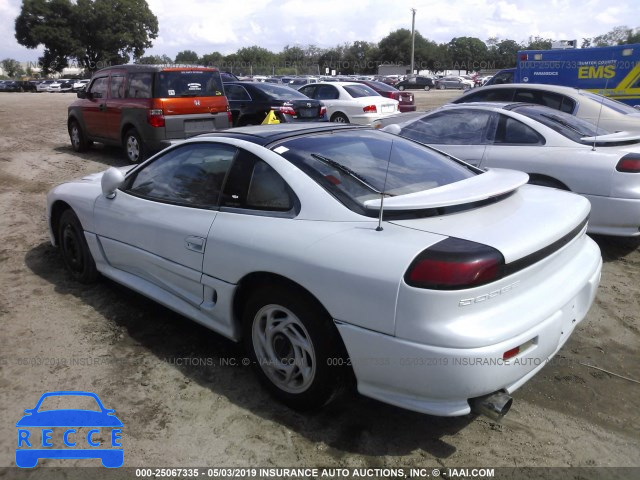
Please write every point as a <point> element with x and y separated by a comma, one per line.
<point>183,402</point>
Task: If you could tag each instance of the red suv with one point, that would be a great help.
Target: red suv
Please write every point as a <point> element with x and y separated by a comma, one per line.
<point>145,108</point>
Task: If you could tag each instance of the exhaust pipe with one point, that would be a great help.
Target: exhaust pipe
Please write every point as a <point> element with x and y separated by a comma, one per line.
<point>495,405</point>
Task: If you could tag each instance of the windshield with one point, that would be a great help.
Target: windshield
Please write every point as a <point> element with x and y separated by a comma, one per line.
<point>610,103</point>
<point>357,166</point>
<point>280,93</point>
<point>357,91</point>
<point>573,128</point>
<point>188,83</point>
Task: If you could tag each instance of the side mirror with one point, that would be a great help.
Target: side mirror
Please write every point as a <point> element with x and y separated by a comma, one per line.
<point>112,179</point>
<point>82,94</point>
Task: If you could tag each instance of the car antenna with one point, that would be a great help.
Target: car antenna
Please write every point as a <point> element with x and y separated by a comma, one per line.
<point>606,85</point>
<point>384,187</point>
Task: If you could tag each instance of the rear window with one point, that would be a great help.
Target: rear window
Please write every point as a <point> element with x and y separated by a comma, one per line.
<point>358,166</point>
<point>567,125</point>
<point>357,91</point>
<point>188,83</point>
<point>280,93</point>
<point>610,103</point>
<point>383,87</point>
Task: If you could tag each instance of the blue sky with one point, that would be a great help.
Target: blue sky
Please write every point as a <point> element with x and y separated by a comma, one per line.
<point>225,26</point>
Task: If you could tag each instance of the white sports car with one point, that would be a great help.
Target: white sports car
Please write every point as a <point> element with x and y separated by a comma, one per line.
<point>351,102</point>
<point>446,299</point>
<point>556,150</point>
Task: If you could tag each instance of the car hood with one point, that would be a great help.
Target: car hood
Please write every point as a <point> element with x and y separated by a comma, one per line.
<point>69,418</point>
<point>528,220</point>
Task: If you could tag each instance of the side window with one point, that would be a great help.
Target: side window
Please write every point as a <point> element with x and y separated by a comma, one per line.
<point>308,90</point>
<point>255,185</point>
<point>190,175</point>
<point>455,127</point>
<point>98,88</point>
<point>116,87</point>
<point>568,105</point>
<point>236,92</point>
<point>139,85</point>
<point>513,132</point>
<point>327,92</point>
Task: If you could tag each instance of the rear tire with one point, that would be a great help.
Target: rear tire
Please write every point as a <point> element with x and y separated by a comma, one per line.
<point>75,251</point>
<point>441,87</point>
<point>401,88</point>
<point>339,118</point>
<point>294,347</point>
<point>427,88</point>
<point>134,149</point>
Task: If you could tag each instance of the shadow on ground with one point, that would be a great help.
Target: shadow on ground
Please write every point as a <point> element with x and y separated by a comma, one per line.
<point>353,424</point>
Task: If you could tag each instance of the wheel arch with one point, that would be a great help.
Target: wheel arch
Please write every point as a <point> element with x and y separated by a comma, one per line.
<point>57,209</point>
<point>125,128</point>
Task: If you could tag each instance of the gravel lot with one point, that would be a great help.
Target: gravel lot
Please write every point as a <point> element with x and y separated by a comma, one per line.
<point>183,402</point>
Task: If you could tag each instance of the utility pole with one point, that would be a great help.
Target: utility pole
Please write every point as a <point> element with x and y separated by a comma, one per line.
<point>413,36</point>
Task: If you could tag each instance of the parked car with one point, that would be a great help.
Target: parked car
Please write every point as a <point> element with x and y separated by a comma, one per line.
<point>251,102</point>
<point>229,77</point>
<point>43,86</point>
<point>597,109</point>
<point>556,150</point>
<point>145,108</point>
<point>57,85</point>
<point>415,83</point>
<point>350,102</point>
<point>80,84</point>
<point>12,86</point>
<point>273,235</point>
<point>406,102</point>
<point>453,82</point>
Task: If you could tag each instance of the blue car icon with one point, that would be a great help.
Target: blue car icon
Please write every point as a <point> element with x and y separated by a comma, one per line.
<point>36,439</point>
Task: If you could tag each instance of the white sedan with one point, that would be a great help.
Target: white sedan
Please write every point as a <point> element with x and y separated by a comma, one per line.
<point>556,150</point>
<point>350,102</point>
<point>444,301</point>
<point>597,109</point>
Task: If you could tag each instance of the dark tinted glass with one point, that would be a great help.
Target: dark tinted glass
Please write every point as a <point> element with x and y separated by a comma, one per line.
<point>361,164</point>
<point>236,92</point>
<point>139,85</point>
<point>188,83</point>
<point>99,87</point>
<point>190,175</point>
<point>357,91</point>
<point>511,131</point>
<point>453,127</point>
<point>280,93</point>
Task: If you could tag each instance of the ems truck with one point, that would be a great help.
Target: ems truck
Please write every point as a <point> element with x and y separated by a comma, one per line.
<point>611,71</point>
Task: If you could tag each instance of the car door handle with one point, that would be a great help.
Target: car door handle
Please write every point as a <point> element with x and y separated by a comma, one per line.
<point>195,243</point>
<point>103,107</point>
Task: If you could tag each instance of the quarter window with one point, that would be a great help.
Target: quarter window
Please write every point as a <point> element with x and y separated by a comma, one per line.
<point>513,132</point>
<point>236,92</point>
<point>255,185</point>
<point>140,85</point>
<point>190,175</point>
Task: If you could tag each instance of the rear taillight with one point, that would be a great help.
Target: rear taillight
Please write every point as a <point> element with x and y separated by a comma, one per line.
<point>230,117</point>
<point>370,109</point>
<point>391,94</point>
<point>155,117</point>
<point>285,110</point>
<point>454,264</point>
<point>323,112</point>
<point>630,163</point>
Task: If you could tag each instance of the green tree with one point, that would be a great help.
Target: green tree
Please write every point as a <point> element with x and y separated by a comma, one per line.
<point>255,60</point>
<point>617,36</point>
<point>213,59</point>
<point>502,53</point>
<point>155,60</point>
<point>94,33</point>
<point>187,57</point>
<point>467,53</point>
<point>12,68</point>
<point>539,43</point>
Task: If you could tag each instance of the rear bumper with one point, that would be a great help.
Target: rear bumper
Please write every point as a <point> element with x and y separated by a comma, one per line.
<point>407,108</point>
<point>440,380</point>
<point>614,216</point>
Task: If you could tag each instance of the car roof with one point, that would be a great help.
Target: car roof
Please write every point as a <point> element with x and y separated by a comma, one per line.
<point>266,134</point>
<point>495,105</point>
<point>533,86</point>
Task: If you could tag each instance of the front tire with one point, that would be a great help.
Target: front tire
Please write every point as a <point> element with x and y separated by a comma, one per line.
<point>441,87</point>
<point>75,251</point>
<point>79,142</point>
<point>339,118</point>
<point>294,347</point>
<point>427,88</point>
<point>401,88</point>
<point>135,150</point>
